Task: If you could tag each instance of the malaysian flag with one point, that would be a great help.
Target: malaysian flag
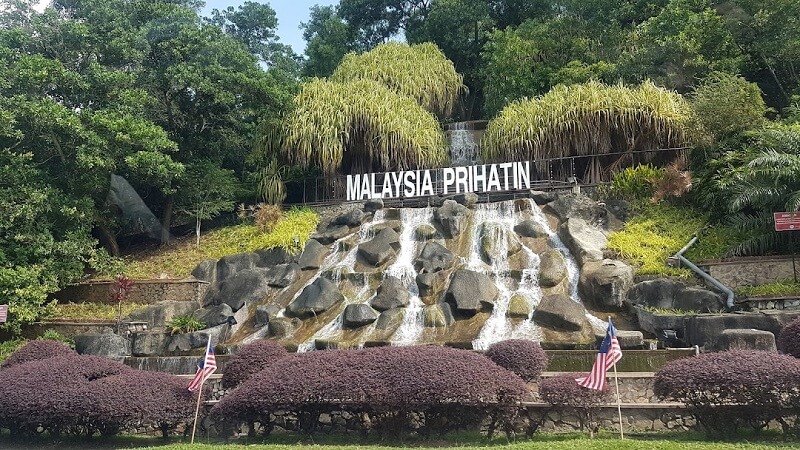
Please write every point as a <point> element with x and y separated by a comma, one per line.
<point>3,313</point>
<point>205,368</point>
<point>608,355</point>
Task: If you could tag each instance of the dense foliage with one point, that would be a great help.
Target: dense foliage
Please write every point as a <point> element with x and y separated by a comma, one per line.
<point>37,350</point>
<point>387,382</point>
<point>789,339</point>
<point>84,395</point>
<point>249,360</point>
<point>733,389</point>
<point>524,358</point>
<point>562,391</point>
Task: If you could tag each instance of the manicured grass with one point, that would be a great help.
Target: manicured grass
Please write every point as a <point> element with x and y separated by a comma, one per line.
<point>661,230</point>
<point>88,311</point>
<point>179,258</point>
<point>775,289</point>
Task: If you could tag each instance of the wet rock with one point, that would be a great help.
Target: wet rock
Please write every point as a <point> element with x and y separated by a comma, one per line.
<point>452,217</point>
<point>392,293</point>
<point>542,197</point>
<point>395,225</point>
<point>331,234</point>
<point>109,345</point>
<point>356,316</point>
<point>352,218</point>
<point>433,258</point>
<point>667,294</point>
<point>269,257</point>
<point>584,241</point>
<point>552,268</point>
<point>229,265</point>
<point>437,316</point>
<point>283,327</point>
<point>214,315</point>
<point>518,307</point>
<point>312,255</point>
<point>748,339</point>
<point>282,275</point>
<point>316,298</point>
<point>381,248</point>
<point>605,284</point>
<point>159,314</point>
<point>425,232</point>
<point>470,292</point>
<point>497,243</point>
<point>390,319</point>
<point>561,313</point>
<point>373,205</point>
<point>470,199</point>
<point>531,229</point>
<point>245,287</point>
<point>206,271</point>
<point>577,206</point>
<point>265,313</point>
<point>431,283</point>
<point>149,343</point>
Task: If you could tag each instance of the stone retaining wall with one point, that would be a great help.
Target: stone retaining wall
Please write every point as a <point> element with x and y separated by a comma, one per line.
<point>144,291</point>
<point>740,272</point>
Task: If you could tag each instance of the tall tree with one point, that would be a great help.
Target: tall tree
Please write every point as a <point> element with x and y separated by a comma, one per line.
<point>328,38</point>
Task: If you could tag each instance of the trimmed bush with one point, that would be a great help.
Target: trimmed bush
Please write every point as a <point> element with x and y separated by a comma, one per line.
<point>85,395</point>
<point>524,358</point>
<point>249,360</point>
<point>789,339</point>
<point>732,389</point>
<point>36,350</point>
<point>443,388</point>
<point>563,392</point>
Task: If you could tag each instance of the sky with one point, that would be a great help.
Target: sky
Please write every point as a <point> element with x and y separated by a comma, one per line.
<point>290,13</point>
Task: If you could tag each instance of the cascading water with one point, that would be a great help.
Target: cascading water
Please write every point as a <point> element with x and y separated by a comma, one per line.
<point>463,148</point>
<point>411,328</point>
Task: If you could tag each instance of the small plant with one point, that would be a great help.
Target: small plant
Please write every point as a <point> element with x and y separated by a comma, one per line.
<point>524,358</point>
<point>184,324</point>
<point>670,311</point>
<point>673,182</point>
<point>789,339</point>
<point>266,216</point>
<point>120,290</point>
<point>635,183</point>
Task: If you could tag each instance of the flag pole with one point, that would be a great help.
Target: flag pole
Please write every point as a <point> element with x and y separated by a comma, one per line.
<point>619,401</point>
<point>197,409</point>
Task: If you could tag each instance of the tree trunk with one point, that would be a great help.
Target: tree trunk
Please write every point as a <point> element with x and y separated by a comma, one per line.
<point>109,240</point>
<point>197,232</point>
<point>166,219</point>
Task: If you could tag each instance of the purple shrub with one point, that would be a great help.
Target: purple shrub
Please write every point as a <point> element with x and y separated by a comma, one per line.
<point>562,391</point>
<point>728,390</point>
<point>36,350</point>
<point>249,360</point>
<point>524,358</point>
<point>789,339</point>
<point>84,395</point>
<point>392,381</point>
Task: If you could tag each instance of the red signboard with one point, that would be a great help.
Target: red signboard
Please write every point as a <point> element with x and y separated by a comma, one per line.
<point>787,221</point>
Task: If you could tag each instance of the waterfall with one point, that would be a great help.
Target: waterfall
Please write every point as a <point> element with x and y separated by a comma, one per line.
<point>411,328</point>
<point>463,148</point>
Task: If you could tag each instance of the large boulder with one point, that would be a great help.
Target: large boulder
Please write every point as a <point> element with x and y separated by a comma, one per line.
<point>530,228</point>
<point>265,313</point>
<point>315,298</point>
<point>157,315</point>
<point>282,275</point>
<point>214,315</point>
<point>331,234</point>
<point>585,241</point>
<point>577,206</point>
<point>352,218</point>
<point>283,327</point>
<point>706,329</point>
<point>518,307</point>
<point>605,283</point>
<point>561,313</point>
<point>206,271</point>
<point>745,339</point>
<point>269,257</point>
<point>437,316</point>
<point>425,232</point>
<point>245,287</point>
<point>381,248</point>
<point>433,258</point>
<point>108,344</point>
<point>312,255</point>
<point>229,265</point>
<point>356,316</point>
<point>373,205</point>
<point>149,343</point>
<point>390,319</point>
<point>452,217</point>
<point>552,268</point>
<point>497,242</point>
<point>470,292</point>
<point>542,198</point>
<point>671,294</point>
<point>392,293</point>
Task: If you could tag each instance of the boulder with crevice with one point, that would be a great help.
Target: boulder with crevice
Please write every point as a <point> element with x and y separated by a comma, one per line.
<point>605,284</point>
<point>380,249</point>
<point>433,258</point>
<point>316,298</point>
<point>470,292</point>
<point>586,242</point>
<point>452,217</point>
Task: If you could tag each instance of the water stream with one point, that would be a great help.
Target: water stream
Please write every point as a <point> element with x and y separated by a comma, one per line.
<point>463,148</point>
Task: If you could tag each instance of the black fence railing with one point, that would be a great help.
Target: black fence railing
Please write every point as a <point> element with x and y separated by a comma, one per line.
<point>545,174</point>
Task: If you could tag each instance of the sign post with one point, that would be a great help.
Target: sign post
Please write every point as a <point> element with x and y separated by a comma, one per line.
<point>788,221</point>
<point>3,313</point>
